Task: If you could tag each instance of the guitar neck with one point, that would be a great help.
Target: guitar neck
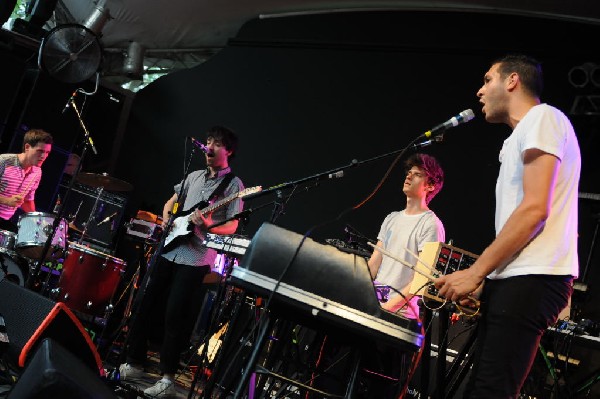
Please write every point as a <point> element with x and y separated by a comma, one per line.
<point>212,207</point>
<point>219,204</point>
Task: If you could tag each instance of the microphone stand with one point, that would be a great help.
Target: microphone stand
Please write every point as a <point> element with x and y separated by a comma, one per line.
<point>263,325</point>
<point>88,142</point>
<point>330,173</point>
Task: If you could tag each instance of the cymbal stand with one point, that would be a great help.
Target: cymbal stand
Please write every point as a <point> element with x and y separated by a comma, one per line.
<point>131,287</point>
<point>59,210</point>
<point>91,216</point>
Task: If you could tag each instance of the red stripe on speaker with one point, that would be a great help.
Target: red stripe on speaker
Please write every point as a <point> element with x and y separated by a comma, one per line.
<point>60,308</point>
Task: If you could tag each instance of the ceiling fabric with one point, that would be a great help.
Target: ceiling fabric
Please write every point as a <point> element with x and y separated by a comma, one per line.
<point>205,24</point>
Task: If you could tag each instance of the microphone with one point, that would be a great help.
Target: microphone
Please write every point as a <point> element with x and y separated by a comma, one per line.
<point>336,175</point>
<point>199,144</point>
<point>68,104</point>
<point>107,219</point>
<point>426,143</point>
<point>463,117</point>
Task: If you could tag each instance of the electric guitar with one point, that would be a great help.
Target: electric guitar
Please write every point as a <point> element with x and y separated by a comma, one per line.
<point>182,225</point>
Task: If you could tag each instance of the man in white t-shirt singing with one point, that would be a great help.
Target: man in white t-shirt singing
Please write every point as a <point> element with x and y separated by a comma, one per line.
<point>530,266</point>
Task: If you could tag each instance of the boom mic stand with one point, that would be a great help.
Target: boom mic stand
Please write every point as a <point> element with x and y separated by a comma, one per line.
<point>88,143</point>
<point>277,189</point>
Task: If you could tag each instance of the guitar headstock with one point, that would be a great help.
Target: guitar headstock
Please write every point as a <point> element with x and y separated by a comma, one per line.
<point>249,190</point>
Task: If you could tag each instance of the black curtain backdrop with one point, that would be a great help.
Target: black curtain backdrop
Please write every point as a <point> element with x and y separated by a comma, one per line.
<point>307,94</point>
<point>311,93</point>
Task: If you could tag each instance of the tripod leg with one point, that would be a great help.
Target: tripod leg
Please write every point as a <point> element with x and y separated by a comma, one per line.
<point>426,357</point>
<point>237,322</point>
<point>459,366</point>
<point>203,347</point>
<point>265,325</point>
<point>443,319</point>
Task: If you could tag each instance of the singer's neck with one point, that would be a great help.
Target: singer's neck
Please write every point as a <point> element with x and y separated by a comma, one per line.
<point>214,171</point>
<point>521,109</point>
<point>415,206</point>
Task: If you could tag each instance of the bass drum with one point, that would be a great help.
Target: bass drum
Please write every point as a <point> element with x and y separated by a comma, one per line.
<point>89,279</point>
<point>13,268</point>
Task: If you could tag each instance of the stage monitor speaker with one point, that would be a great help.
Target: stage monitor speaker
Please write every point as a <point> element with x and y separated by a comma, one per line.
<point>54,372</point>
<point>31,317</point>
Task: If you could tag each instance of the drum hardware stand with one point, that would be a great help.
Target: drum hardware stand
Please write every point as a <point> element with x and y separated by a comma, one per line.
<point>3,266</point>
<point>91,216</point>
<point>157,252</point>
<point>59,209</point>
<point>133,286</point>
<point>45,284</point>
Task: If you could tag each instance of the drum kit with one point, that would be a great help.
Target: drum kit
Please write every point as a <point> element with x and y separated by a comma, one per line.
<point>84,278</point>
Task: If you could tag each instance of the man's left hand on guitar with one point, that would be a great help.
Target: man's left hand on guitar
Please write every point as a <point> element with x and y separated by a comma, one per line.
<point>200,220</point>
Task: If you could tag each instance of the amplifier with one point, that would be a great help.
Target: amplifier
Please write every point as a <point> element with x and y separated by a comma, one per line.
<point>142,228</point>
<point>79,208</point>
<point>445,259</point>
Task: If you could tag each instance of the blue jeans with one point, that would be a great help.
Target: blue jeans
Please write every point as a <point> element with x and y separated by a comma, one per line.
<point>515,312</point>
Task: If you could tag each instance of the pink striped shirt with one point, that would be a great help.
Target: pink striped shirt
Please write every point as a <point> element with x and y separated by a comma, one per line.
<point>14,180</point>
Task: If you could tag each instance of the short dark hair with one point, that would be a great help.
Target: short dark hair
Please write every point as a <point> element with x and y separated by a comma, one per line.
<point>528,68</point>
<point>432,169</point>
<point>226,136</point>
<point>35,136</point>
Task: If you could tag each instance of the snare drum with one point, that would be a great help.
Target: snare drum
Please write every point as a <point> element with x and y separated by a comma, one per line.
<point>89,279</point>
<point>7,241</point>
<point>34,229</point>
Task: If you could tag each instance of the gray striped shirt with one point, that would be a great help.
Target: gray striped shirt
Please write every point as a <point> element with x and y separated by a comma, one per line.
<point>198,187</point>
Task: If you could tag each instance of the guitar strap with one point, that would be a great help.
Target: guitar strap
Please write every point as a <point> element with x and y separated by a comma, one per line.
<point>222,186</point>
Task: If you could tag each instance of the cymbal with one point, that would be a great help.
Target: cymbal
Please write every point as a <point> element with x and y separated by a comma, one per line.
<point>104,180</point>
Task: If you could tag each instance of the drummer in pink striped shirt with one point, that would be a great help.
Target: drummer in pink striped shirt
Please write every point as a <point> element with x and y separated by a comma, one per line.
<point>20,175</point>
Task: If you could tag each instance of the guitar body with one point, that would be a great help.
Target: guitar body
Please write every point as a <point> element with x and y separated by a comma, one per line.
<point>181,227</point>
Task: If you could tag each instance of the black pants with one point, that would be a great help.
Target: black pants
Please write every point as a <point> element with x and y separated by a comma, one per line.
<point>515,313</point>
<point>182,287</point>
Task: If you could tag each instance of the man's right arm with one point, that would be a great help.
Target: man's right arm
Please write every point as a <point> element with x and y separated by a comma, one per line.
<point>168,208</point>
<point>375,261</point>
<point>13,201</point>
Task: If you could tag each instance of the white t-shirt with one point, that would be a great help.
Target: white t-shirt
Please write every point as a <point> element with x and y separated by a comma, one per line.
<point>399,231</point>
<point>554,250</point>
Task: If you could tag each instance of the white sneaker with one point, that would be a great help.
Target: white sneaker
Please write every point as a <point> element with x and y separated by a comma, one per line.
<point>129,372</point>
<point>162,389</point>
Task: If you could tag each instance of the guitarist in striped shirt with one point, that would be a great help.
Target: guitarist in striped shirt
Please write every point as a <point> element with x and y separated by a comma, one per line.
<point>20,175</point>
<point>180,269</point>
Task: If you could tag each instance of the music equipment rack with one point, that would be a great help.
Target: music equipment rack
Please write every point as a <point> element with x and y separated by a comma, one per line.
<point>444,259</point>
<point>314,285</point>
